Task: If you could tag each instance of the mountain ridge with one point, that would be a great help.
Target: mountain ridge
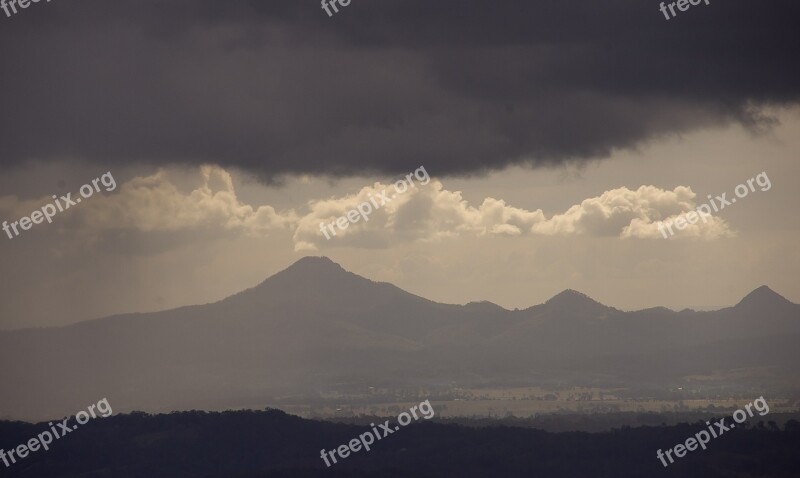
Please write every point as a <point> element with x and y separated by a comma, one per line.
<point>312,273</point>
<point>309,267</point>
<point>315,326</point>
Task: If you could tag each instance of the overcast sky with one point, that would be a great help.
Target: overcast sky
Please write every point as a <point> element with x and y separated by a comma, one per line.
<point>556,136</point>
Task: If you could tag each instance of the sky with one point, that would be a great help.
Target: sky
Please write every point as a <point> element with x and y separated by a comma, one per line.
<point>549,139</point>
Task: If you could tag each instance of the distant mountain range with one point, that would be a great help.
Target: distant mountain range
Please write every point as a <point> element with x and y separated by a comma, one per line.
<point>315,326</point>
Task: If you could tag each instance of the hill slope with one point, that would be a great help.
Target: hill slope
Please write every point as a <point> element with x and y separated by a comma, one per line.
<point>315,325</point>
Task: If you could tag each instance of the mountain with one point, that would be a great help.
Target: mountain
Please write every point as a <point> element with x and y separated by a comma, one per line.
<point>316,327</point>
<point>766,302</point>
<point>572,302</point>
<point>762,297</point>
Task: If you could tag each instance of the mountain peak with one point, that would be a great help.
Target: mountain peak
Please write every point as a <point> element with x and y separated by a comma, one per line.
<point>310,273</point>
<point>484,306</point>
<point>312,270</point>
<point>315,262</point>
<point>570,296</point>
<point>574,301</point>
<point>312,280</point>
<point>762,297</point>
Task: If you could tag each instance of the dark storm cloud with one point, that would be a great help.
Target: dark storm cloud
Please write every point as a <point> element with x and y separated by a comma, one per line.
<point>459,86</point>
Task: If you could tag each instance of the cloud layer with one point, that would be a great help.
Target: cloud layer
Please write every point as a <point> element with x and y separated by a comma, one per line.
<point>157,204</point>
<point>433,213</point>
<point>278,87</point>
<point>427,212</point>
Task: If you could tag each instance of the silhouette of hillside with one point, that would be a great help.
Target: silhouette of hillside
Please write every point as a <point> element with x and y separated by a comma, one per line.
<point>315,326</point>
<point>249,444</point>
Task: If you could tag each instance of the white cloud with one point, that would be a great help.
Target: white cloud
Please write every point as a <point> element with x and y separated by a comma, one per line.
<point>155,203</point>
<point>633,214</point>
<point>430,213</point>
<point>424,213</point>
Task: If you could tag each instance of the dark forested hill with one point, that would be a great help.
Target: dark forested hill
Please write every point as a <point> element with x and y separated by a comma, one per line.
<point>249,444</point>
